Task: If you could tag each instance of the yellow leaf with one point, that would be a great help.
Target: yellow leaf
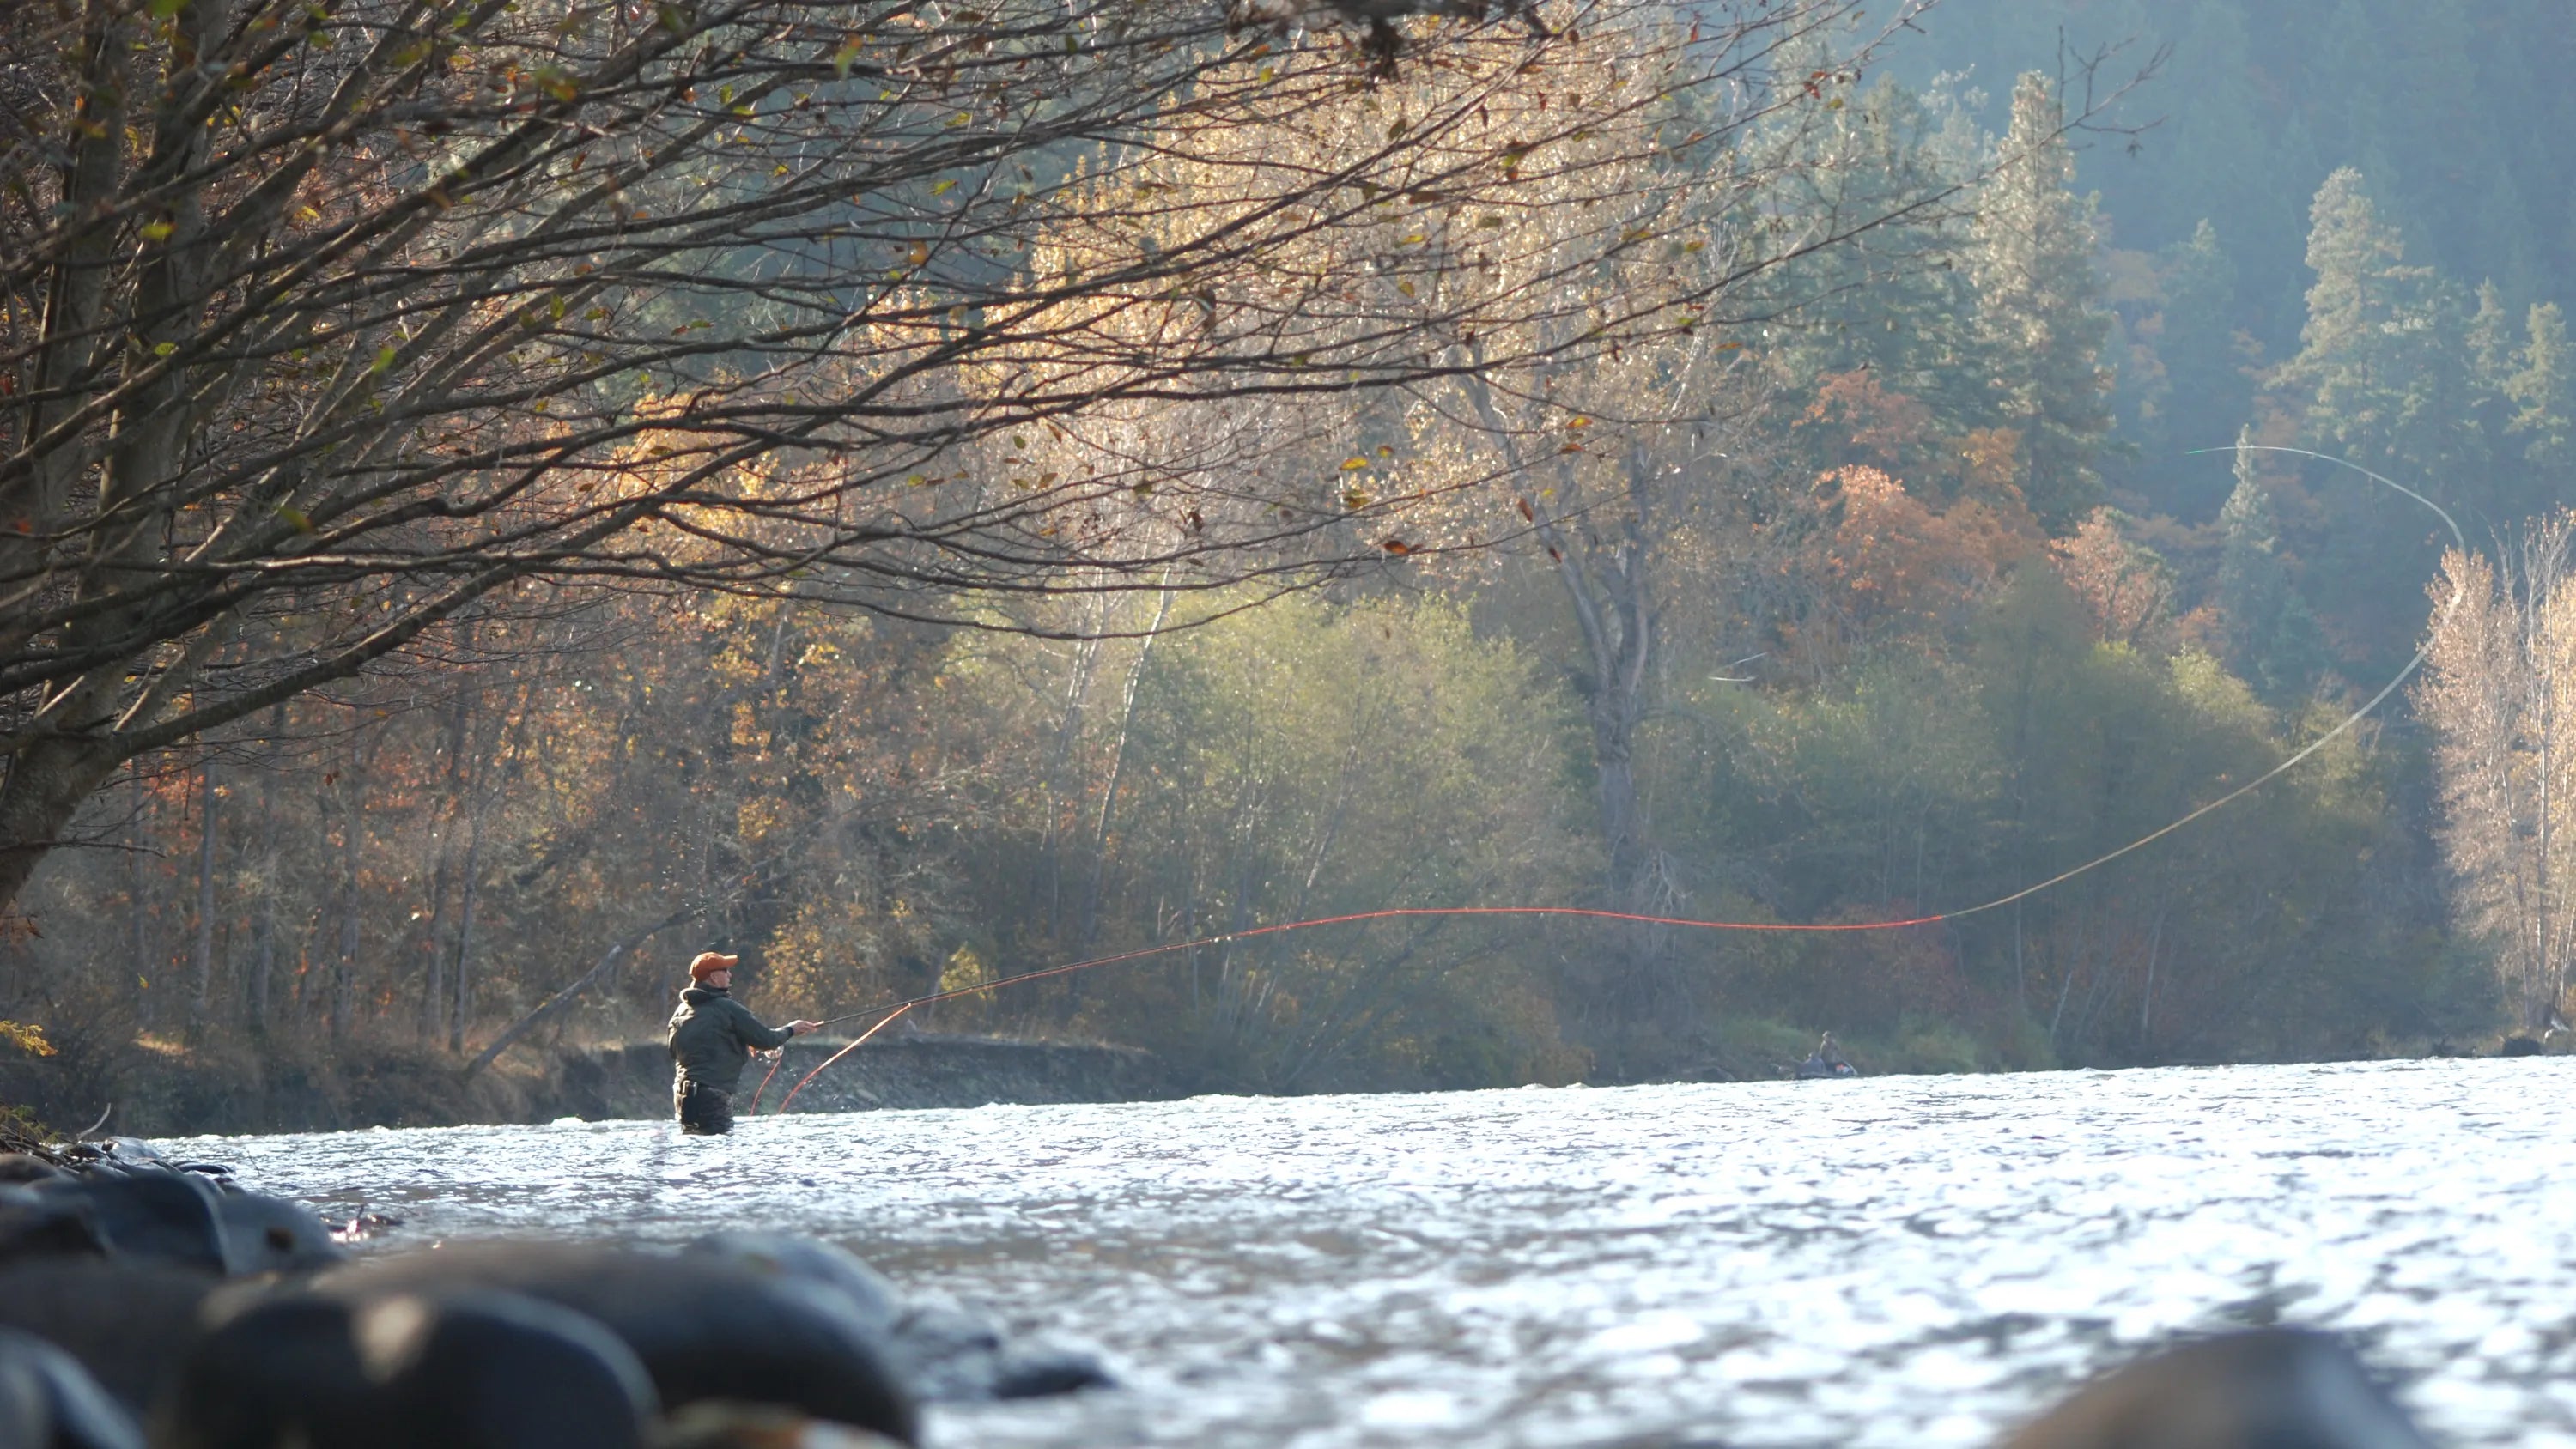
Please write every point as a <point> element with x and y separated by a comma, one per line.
<point>26,1037</point>
<point>154,231</point>
<point>1354,464</point>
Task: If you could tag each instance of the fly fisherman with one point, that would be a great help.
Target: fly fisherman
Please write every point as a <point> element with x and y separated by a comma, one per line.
<point>712,1039</point>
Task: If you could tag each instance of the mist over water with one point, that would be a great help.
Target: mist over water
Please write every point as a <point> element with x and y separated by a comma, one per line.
<point>1893,1261</point>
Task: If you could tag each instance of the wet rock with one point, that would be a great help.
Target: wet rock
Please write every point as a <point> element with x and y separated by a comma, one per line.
<point>784,1256</point>
<point>152,1215</point>
<point>2273,1388</point>
<point>264,1234</point>
<point>948,1356</point>
<point>128,1324</point>
<point>1039,1371</point>
<point>486,1369</point>
<point>704,1328</point>
<point>758,1426</point>
<point>36,1225</point>
<point>48,1401</point>
<point>2522,1046</point>
<point>155,1214</point>
<point>956,1357</point>
<point>28,1167</point>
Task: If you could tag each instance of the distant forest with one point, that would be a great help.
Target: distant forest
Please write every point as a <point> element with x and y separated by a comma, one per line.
<point>1892,577</point>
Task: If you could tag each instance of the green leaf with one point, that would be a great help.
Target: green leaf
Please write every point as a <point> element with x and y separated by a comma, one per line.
<point>296,518</point>
<point>384,359</point>
<point>164,349</point>
<point>154,231</point>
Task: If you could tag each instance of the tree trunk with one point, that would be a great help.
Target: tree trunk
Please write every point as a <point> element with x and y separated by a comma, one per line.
<point>463,1009</point>
<point>344,976</point>
<point>205,948</point>
<point>264,949</point>
<point>1117,769</point>
<point>45,787</point>
<point>136,926</point>
<point>1607,583</point>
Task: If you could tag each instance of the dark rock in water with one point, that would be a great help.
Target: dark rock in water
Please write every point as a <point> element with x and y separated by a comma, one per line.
<point>486,1369</point>
<point>264,1234</point>
<point>2274,1388</point>
<point>2521,1046</point>
<point>784,1257</point>
<point>151,1214</point>
<point>36,1225</point>
<point>129,1324</point>
<point>946,1355</point>
<point>28,1167</point>
<point>705,1328</point>
<point>155,1214</point>
<point>1040,1372</point>
<point>48,1401</point>
<point>759,1426</point>
<point>957,1357</point>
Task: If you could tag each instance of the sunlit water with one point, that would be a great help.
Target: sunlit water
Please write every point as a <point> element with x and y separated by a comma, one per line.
<point>1901,1261</point>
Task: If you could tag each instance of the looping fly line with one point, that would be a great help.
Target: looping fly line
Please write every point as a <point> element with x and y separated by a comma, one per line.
<point>891,1010</point>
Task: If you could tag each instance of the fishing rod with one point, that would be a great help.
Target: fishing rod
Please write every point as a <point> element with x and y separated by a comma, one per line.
<point>893,1009</point>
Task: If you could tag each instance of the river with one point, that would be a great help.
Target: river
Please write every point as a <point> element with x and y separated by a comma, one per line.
<point>1909,1261</point>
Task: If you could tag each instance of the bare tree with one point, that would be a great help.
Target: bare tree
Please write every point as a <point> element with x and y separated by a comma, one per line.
<point>322,325</point>
<point>2499,692</point>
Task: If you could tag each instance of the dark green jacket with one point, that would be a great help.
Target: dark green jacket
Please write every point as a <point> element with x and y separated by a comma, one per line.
<point>713,1036</point>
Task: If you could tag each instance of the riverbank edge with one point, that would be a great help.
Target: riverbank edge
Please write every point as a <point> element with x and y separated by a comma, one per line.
<point>152,1087</point>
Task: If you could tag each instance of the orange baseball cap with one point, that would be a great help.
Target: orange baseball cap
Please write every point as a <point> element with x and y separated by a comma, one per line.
<point>710,962</point>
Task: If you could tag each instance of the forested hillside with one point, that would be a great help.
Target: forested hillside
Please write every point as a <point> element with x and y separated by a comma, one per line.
<point>1838,549</point>
<point>2455,113</point>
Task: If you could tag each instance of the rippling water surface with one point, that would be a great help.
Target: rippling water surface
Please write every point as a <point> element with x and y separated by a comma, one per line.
<point>1899,1261</point>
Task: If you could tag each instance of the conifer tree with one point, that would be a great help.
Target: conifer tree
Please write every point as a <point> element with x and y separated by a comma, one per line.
<point>1894,302</point>
<point>2039,309</point>
<point>2271,635</point>
<point>2542,389</point>
<point>2203,355</point>
<point>2385,352</point>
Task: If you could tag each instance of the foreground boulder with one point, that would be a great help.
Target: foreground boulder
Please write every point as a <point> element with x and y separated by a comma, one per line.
<point>2275,1388</point>
<point>946,1356</point>
<point>161,1215</point>
<point>129,1324</point>
<point>481,1369</point>
<point>704,1328</point>
<point>48,1401</point>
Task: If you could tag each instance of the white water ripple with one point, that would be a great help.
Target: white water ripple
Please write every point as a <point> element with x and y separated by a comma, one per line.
<point>1898,1261</point>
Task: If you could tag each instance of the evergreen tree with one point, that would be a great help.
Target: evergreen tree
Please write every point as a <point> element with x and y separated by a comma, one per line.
<point>2205,359</point>
<point>2385,353</point>
<point>2491,357</point>
<point>2385,361</point>
<point>2542,389</point>
<point>1893,302</point>
<point>2272,638</point>
<point>2040,316</point>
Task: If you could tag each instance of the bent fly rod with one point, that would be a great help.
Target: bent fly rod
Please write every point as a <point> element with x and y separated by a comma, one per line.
<point>888,1012</point>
